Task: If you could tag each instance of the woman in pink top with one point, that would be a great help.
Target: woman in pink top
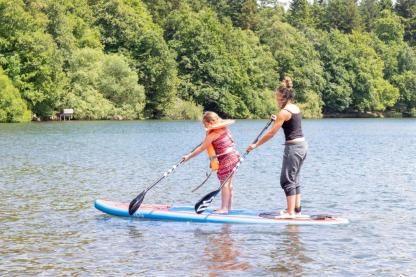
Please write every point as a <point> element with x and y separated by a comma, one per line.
<point>220,137</point>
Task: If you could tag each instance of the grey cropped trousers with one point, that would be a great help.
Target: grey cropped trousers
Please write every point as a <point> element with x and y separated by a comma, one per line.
<point>293,157</point>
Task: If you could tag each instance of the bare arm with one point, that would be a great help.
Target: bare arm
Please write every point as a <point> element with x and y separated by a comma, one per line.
<point>281,118</point>
<point>204,145</point>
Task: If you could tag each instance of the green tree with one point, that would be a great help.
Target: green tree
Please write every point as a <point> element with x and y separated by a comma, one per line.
<point>30,56</point>
<point>70,24</point>
<point>312,106</point>
<point>406,82</point>
<point>102,86</point>
<point>160,9</point>
<point>221,68</point>
<point>385,5</point>
<point>342,15</point>
<point>389,53</point>
<point>407,10</point>
<point>406,58</point>
<point>369,12</point>
<point>389,43</point>
<point>355,74</point>
<point>182,109</point>
<point>388,27</point>
<point>12,107</point>
<point>334,53</point>
<point>119,84</point>
<point>296,57</point>
<point>248,17</point>
<point>371,92</point>
<point>299,14</point>
<point>243,13</point>
<point>317,13</point>
<point>126,26</point>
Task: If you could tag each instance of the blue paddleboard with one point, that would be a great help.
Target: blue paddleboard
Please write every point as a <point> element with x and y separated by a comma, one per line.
<point>172,213</point>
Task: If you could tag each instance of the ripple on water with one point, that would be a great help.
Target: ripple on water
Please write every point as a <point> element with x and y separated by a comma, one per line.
<point>52,173</point>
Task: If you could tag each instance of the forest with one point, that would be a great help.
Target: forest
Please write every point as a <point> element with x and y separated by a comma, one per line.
<point>173,59</point>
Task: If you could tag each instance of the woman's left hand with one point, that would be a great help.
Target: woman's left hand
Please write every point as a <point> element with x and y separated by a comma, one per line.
<point>186,157</point>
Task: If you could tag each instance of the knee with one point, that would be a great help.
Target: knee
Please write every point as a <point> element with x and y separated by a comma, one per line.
<point>228,185</point>
<point>289,186</point>
<point>289,191</point>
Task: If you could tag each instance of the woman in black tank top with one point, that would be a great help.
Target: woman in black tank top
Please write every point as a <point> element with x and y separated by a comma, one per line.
<point>289,118</point>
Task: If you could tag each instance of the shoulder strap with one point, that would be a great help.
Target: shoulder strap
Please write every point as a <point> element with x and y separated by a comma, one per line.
<point>229,136</point>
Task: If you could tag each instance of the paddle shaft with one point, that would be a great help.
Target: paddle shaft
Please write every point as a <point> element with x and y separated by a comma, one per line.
<point>136,202</point>
<point>167,173</point>
<point>206,179</point>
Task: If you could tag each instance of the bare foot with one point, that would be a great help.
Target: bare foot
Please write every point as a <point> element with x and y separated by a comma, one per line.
<point>220,211</point>
<point>285,214</point>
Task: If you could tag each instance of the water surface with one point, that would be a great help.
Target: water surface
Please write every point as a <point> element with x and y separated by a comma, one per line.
<point>51,173</point>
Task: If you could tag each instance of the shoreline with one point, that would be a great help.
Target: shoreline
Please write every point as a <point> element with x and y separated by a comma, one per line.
<point>324,116</point>
<point>357,115</point>
<point>368,115</point>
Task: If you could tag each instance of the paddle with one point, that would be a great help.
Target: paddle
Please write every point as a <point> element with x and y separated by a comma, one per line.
<point>205,201</point>
<point>136,202</point>
<point>206,179</point>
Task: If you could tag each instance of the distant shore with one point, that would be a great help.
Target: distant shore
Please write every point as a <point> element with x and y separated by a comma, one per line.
<point>369,115</point>
<point>326,115</point>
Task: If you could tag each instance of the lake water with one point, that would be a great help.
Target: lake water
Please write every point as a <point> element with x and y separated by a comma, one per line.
<point>51,173</point>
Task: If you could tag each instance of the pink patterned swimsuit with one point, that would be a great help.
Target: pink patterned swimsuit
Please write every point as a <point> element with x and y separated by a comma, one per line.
<point>226,161</point>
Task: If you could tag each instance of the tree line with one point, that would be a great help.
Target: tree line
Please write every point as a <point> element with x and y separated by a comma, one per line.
<point>172,59</point>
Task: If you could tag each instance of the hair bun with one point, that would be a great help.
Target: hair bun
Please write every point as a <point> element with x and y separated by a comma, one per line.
<point>287,82</point>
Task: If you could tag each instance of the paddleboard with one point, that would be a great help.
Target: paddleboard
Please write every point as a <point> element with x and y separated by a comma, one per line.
<point>172,213</point>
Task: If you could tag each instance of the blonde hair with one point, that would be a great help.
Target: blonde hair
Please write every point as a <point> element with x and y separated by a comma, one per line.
<point>211,117</point>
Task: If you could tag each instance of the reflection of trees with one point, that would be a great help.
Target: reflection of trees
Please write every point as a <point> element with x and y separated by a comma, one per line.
<point>222,253</point>
<point>289,255</point>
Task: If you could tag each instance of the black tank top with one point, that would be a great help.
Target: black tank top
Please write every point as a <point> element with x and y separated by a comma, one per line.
<point>293,127</point>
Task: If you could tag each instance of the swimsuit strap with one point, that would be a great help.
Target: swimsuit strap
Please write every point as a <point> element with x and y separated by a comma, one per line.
<point>229,136</point>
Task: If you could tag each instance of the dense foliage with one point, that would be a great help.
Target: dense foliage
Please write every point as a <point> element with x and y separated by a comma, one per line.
<point>137,59</point>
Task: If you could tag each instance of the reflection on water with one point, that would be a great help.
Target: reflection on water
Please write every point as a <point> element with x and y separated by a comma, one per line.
<point>289,254</point>
<point>221,252</point>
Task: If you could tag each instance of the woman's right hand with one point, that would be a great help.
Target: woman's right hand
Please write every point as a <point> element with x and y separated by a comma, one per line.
<point>251,147</point>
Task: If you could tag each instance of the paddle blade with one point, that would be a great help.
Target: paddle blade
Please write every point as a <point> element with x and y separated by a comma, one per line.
<point>205,201</point>
<point>136,202</point>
